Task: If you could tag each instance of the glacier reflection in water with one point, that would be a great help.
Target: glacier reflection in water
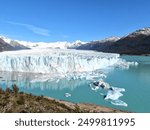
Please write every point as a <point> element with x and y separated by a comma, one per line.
<point>41,81</point>
<point>82,69</point>
<point>135,81</point>
<point>44,82</point>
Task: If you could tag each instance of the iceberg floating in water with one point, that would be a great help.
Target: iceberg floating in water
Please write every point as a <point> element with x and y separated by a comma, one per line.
<point>114,96</point>
<point>94,88</point>
<point>113,93</point>
<point>55,64</point>
<point>67,94</point>
<point>100,84</point>
<point>119,103</point>
<point>57,61</point>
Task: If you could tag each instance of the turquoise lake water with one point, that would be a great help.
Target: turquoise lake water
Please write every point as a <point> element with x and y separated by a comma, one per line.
<point>135,81</point>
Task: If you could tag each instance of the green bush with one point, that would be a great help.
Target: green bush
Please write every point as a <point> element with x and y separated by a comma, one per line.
<point>8,90</point>
<point>1,91</point>
<point>21,100</point>
<point>15,88</point>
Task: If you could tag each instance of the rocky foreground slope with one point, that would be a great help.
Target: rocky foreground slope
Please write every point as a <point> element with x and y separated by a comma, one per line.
<point>13,101</point>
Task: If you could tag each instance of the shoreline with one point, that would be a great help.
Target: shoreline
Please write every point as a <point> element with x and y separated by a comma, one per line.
<point>13,101</point>
<point>89,107</point>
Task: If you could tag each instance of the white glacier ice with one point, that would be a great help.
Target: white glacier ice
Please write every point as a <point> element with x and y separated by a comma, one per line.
<point>56,61</point>
<point>114,95</point>
<point>67,94</point>
<point>111,94</point>
<point>119,103</point>
<point>63,68</point>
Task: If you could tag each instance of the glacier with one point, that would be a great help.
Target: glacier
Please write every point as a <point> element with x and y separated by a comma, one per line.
<point>56,61</point>
<point>54,69</point>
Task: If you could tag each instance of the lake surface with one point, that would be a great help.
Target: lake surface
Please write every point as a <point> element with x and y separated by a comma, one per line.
<point>135,81</point>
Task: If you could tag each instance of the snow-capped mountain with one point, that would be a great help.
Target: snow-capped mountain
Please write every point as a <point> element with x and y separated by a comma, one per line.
<point>143,31</point>
<point>15,45</point>
<point>94,45</point>
<point>110,39</point>
<point>5,46</point>
<point>57,45</point>
<point>42,45</point>
<point>135,43</point>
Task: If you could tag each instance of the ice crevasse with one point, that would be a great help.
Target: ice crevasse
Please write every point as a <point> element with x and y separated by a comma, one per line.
<point>56,61</point>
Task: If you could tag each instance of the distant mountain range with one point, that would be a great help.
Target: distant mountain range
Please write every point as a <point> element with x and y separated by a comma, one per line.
<point>7,44</point>
<point>135,43</point>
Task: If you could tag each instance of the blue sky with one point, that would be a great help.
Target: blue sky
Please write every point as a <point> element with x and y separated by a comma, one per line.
<point>70,20</point>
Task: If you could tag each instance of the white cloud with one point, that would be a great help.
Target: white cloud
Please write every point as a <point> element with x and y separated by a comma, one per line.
<point>64,36</point>
<point>34,29</point>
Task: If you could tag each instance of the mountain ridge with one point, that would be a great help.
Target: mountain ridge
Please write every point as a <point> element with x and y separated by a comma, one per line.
<point>135,43</point>
<point>41,45</point>
<point>5,46</point>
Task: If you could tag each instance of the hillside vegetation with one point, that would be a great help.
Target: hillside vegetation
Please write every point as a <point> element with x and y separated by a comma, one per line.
<point>13,101</point>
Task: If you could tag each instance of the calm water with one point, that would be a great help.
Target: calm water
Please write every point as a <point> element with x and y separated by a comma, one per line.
<point>135,80</point>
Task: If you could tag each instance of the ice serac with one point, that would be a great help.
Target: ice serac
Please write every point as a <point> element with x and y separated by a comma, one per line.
<point>56,61</point>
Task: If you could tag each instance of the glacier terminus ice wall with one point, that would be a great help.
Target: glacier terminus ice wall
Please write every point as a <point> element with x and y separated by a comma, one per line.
<point>61,68</point>
<point>55,61</point>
